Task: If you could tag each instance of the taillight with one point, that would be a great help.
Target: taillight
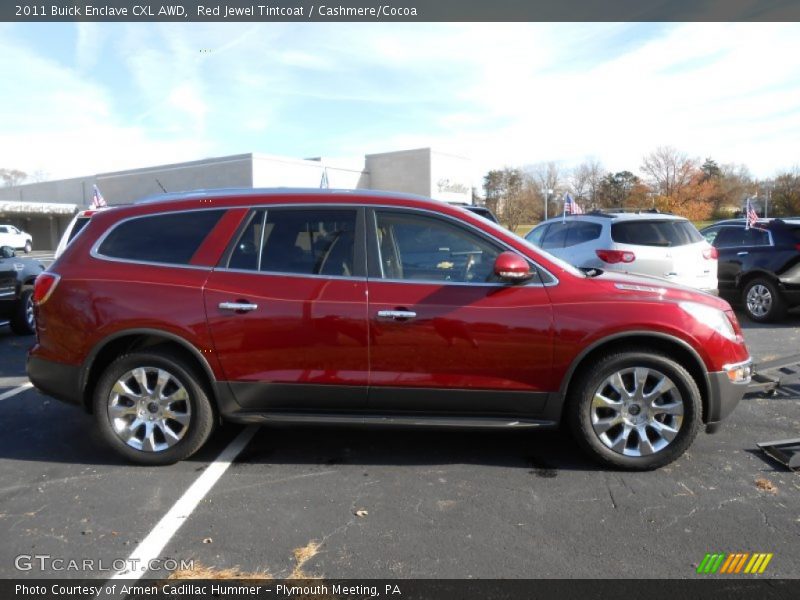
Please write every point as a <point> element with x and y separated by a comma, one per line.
<point>44,286</point>
<point>797,247</point>
<point>615,256</point>
<point>710,253</point>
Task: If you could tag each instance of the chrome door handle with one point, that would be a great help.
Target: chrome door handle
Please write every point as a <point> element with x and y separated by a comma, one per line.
<point>742,253</point>
<point>237,306</point>
<point>396,315</point>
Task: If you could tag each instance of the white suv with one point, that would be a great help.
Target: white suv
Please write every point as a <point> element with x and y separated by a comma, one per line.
<point>19,240</point>
<point>654,244</point>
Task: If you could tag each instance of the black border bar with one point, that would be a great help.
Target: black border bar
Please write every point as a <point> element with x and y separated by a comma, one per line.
<point>398,10</point>
<point>745,587</point>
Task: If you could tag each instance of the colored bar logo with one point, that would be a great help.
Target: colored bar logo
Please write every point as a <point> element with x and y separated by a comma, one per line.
<point>738,562</point>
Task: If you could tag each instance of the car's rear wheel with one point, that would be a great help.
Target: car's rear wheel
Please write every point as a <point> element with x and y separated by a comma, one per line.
<point>28,247</point>
<point>152,407</point>
<point>23,321</point>
<point>762,301</point>
<point>636,410</point>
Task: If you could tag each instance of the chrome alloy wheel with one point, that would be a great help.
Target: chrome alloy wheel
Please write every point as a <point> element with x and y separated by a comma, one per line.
<point>637,411</point>
<point>759,300</point>
<point>149,409</point>
<point>30,317</point>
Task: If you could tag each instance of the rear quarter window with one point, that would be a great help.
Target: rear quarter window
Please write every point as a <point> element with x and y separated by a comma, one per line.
<point>655,233</point>
<point>167,238</point>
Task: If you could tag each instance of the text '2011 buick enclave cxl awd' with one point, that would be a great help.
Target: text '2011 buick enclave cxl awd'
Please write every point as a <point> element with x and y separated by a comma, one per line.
<point>274,306</point>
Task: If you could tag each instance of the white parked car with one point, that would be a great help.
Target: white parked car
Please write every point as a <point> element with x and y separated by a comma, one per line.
<point>644,243</point>
<point>19,240</point>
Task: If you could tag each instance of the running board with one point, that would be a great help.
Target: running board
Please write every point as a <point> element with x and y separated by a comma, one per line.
<point>440,422</point>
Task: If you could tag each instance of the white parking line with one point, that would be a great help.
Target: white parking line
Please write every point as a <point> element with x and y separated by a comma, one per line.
<point>15,391</point>
<point>151,547</point>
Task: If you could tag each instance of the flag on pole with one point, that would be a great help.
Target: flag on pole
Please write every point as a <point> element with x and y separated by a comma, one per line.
<point>97,198</point>
<point>570,206</point>
<point>323,183</point>
<point>751,216</point>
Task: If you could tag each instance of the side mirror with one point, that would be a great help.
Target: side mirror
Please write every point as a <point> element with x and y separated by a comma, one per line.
<point>7,252</point>
<point>510,266</point>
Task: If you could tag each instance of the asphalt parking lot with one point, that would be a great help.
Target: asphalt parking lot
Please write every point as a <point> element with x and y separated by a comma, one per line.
<point>352,503</point>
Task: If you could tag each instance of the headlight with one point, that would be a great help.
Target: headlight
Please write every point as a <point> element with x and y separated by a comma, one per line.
<point>710,317</point>
<point>739,372</point>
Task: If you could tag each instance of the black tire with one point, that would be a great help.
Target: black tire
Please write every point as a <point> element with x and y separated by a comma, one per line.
<point>767,304</point>
<point>201,414</point>
<point>579,410</point>
<point>22,321</point>
<point>28,247</point>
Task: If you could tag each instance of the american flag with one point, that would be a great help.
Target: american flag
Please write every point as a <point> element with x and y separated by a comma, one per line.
<point>97,198</point>
<point>570,206</point>
<point>752,215</point>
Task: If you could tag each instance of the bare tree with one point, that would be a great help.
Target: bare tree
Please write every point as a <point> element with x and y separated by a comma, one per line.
<point>586,182</point>
<point>12,176</point>
<point>508,194</point>
<point>669,170</point>
<point>546,179</point>
<point>579,182</point>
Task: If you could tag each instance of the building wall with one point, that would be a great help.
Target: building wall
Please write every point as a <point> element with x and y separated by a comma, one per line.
<point>404,171</point>
<point>67,191</point>
<point>278,171</point>
<point>126,186</point>
<point>450,178</point>
<point>421,171</point>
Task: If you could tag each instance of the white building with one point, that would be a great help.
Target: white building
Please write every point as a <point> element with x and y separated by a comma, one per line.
<point>44,209</point>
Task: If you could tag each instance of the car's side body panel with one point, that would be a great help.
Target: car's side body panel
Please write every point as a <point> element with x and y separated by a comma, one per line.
<point>316,344</point>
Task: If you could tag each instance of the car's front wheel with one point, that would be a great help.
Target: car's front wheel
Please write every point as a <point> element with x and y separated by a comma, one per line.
<point>762,301</point>
<point>636,410</point>
<point>28,247</point>
<point>152,407</point>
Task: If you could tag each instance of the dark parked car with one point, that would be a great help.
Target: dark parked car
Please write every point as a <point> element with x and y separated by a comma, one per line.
<point>17,275</point>
<point>482,211</point>
<point>758,266</point>
<point>366,308</point>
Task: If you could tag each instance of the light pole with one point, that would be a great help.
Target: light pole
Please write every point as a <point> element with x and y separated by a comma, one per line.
<point>546,192</point>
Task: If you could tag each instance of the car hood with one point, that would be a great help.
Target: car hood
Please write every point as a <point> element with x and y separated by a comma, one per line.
<point>644,287</point>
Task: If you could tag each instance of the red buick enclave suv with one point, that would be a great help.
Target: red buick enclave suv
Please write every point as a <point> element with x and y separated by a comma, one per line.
<point>276,306</point>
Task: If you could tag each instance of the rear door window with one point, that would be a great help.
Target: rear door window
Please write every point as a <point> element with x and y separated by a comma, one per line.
<point>171,238</point>
<point>535,235</point>
<point>756,237</point>
<point>298,241</point>
<point>729,237</point>
<point>556,235</point>
<point>581,232</point>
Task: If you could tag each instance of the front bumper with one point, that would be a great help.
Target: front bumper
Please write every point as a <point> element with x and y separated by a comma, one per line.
<point>723,396</point>
<point>55,379</point>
